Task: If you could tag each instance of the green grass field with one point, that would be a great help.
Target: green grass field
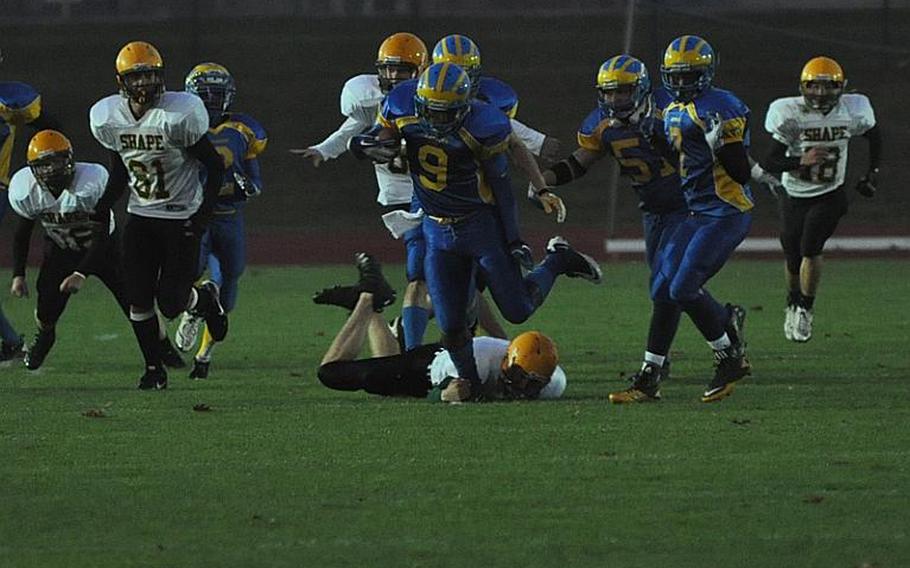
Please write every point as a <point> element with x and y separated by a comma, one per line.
<point>807,465</point>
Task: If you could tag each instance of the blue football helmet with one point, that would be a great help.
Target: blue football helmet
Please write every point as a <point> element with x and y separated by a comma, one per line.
<point>461,51</point>
<point>688,67</point>
<point>443,98</point>
<point>213,84</point>
<point>623,86</point>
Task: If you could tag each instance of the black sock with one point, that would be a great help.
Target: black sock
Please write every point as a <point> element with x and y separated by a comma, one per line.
<point>147,335</point>
<point>793,297</point>
<point>806,301</point>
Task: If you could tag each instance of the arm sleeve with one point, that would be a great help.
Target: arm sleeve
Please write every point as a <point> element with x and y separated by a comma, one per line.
<point>735,161</point>
<point>776,161</point>
<point>205,152</point>
<point>532,139</point>
<point>21,238</point>
<point>116,183</point>
<point>336,143</point>
<point>253,172</point>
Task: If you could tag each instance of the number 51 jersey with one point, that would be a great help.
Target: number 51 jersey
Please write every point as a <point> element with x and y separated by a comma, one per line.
<point>164,178</point>
<point>799,127</point>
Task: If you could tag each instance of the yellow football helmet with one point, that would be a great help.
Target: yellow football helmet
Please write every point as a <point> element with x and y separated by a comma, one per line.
<point>528,365</point>
<point>50,157</point>
<point>461,51</point>
<point>442,98</point>
<point>821,83</point>
<point>140,72</point>
<point>623,86</point>
<point>401,56</point>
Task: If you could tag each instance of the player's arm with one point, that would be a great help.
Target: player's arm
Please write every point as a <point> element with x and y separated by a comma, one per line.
<point>335,143</point>
<point>543,146</point>
<point>571,168</point>
<point>21,239</point>
<point>776,160</point>
<point>381,144</point>
<point>868,184</point>
<point>250,181</point>
<point>496,170</point>
<point>735,160</point>
<point>205,152</point>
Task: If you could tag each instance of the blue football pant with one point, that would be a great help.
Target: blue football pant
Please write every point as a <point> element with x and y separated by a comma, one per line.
<point>223,251</point>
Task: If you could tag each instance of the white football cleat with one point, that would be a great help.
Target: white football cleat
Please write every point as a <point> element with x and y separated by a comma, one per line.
<point>187,332</point>
<point>802,328</point>
<point>789,322</point>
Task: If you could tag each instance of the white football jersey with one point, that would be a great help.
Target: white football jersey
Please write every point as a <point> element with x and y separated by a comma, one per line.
<point>164,179</point>
<point>361,98</point>
<point>66,219</point>
<point>800,127</point>
<point>488,355</point>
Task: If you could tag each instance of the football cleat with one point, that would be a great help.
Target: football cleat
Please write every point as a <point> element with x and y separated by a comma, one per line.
<point>153,379</point>
<point>665,371</point>
<point>372,281</point>
<point>342,296</point>
<point>200,369</point>
<point>169,355</point>
<point>12,350</point>
<point>38,350</point>
<point>396,327</point>
<point>645,387</point>
<point>577,264</point>
<point>789,322</point>
<point>187,333</point>
<point>213,312</point>
<point>802,325</point>
<point>736,325</point>
<point>730,365</point>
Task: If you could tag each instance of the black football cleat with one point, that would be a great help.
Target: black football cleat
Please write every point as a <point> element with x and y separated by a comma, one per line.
<point>645,387</point>
<point>372,281</point>
<point>577,264</point>
<point>736,324</point>
<point>153,379</point>
<point>200,369</point>
<point>169,355</point>
<point>12,350</point>
<point>38,350</point>
<point>342,296</point>
<point>730,365</point>
<point>212,310</point>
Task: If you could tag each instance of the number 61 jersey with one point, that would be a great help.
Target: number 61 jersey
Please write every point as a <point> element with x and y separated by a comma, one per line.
<point>164,178</point>
<point>799,127</point>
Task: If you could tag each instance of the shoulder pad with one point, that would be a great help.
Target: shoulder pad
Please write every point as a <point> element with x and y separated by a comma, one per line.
<point>485,122</point>
<point>400,101</point>
<point>590,123</point>
<point>661,99</point>
<point>250,123</point>
<point>499,94</point>
<point>15,95</point>
<point>21,185</point>
<point>358,92</point>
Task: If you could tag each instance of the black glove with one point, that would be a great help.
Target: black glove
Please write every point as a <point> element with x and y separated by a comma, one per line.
<point>522,253</point>
<point>368,146</point>
<point>195,226</point>
<point>247,187</point>
<point>868,184</point>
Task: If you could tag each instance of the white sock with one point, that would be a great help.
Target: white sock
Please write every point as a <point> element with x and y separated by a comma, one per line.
<point>721,342</point>
<point>654,359</point>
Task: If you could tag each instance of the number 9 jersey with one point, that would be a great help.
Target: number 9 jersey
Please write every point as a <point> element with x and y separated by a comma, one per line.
<point>799,127</point>
<point>164,179</point>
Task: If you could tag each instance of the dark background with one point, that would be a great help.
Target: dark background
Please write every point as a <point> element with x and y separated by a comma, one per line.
<point>290,67</point>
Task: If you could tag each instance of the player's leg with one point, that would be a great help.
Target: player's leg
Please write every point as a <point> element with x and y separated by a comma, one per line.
<point>190,325</point>
<point>487,319</point>
<point>56,265</point>
<point>350,339</point>
<point>141,264</point>
<point>380,338</point>
<point>415,310</point>
<point>659,231</point>
<point>712,243</point>
<point>12,343</point>
<point>793,214</point>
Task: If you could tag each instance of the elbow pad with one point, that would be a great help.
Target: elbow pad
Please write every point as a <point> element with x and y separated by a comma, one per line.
<point>567,170</point>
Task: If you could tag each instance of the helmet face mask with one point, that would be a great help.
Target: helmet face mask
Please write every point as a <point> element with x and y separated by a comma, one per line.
<point>142,86</point>
<point>821,94</point>
<point>54,172</point>
<point>214,84</point>
<point>520,384</point>
<point>391,74</point>
<point>442,100</point>
<point>440,120</point>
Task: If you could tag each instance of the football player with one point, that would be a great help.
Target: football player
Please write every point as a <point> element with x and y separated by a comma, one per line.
<point>240,139</point>
<point>811,135</point>
<point>20,105</point>
<point>158,144</point>
<point>525,368</point>
<point>707,129</point>
<point>62,193</point>
<point>457,155</point>
<point>625,107</point>
<point>402,56</point>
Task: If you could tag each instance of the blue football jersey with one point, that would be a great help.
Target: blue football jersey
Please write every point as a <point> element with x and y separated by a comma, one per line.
<point>448,177</point>
<point>240,139</point>
<point>19,104</point>
<point>708,187</point>
<point>654,179</point>
<point>499,94</point>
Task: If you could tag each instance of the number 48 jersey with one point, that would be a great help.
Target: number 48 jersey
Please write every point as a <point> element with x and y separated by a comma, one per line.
<point>799,127</point>
<point>164,178</point>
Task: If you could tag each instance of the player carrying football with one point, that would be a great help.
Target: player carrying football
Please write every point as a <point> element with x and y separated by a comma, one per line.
<point>157,141</point>
<point>811,137</point>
